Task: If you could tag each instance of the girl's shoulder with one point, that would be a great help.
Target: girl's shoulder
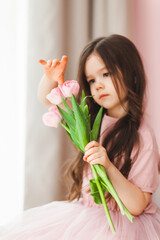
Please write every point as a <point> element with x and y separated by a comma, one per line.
<point>146,133</point>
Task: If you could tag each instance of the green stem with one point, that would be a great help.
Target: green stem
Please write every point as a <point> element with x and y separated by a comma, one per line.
<point>114,194</point>
<point>103,199</point>
<point>108,184</point>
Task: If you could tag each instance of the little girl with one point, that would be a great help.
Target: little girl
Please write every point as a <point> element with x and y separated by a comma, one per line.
<point>111,70</point>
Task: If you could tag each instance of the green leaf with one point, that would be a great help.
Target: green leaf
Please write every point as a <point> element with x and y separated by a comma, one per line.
<point>76,132</point>
<point>75,140</point>
<point>81,124</point>
<point>87,117</point>
<point>69,135</point>
<point>66,127</point>
<point>69,110</point>
<point>86,112</point>
<point>96,125</point>
<point>84,103</point>
<point>83,100</point>
<point>72,136</point>
<point>84,108</point>
<point>90,136</point>
<point>95,192</point>
<point>68,119</point>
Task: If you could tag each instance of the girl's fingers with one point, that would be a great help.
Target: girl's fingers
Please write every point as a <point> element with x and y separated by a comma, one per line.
<point>64,62</point>
<point>90,151</point>
<point>49,63</point>
<point>94,161</point>
<point>55,62</point>
<point>41,61</point>
<point>91,144</point>
<point>93,157</point>
<point>61,80</point>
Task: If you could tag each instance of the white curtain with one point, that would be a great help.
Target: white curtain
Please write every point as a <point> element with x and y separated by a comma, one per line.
<point>12,106</point>
<point>55,28</point>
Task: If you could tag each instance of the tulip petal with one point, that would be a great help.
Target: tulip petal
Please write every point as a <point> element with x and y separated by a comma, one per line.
<point>50,119</point>
<point>55,96</point>
<point>70,87</point>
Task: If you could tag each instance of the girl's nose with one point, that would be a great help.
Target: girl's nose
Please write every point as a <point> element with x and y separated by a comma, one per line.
<point>99,85</point>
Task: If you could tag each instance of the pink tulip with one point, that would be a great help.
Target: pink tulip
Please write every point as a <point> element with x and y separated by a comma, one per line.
<point>55,110</point>
<point>55,96</point>
<point>69,87</point>
<point>52,118</point>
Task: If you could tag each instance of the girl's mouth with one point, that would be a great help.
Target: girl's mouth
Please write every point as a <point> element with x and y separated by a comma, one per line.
<point>103,96</point>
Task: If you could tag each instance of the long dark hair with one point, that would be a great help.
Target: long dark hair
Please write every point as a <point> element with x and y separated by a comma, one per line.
<point>122,59</point>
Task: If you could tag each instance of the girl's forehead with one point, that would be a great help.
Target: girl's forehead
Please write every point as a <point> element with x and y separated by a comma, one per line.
<point>94,63</point>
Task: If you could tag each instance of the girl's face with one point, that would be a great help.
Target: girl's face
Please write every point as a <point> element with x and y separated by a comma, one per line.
<point>102,87</point>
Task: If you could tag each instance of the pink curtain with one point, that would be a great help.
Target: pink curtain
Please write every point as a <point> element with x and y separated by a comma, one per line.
<point>146,36</point>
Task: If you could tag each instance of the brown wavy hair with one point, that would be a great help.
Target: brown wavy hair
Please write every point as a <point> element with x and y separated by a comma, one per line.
<point>123,60</point>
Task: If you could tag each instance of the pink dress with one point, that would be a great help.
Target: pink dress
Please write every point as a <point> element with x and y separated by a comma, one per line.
<point>85,220</point>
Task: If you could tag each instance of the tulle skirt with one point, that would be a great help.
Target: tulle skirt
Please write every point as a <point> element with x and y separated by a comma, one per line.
<point>61,220</point>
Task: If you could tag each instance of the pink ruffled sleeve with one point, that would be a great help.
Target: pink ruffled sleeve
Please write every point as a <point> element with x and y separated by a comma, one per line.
<point>144,172</point>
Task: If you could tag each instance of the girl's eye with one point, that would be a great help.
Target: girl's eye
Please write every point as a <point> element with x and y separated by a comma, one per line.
<point>91,81</point>
<point>106,74</point>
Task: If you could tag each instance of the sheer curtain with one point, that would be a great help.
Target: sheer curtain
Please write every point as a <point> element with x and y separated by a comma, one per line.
<point>12,104</point>
<point>55,28</point>
<point>109,17</point>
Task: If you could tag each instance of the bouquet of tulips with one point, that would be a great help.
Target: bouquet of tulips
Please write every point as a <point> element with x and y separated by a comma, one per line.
<point>78,127</point>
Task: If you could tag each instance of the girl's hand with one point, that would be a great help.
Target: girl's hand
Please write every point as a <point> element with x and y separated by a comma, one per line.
<point>96,154</point>
<point>54,69</point>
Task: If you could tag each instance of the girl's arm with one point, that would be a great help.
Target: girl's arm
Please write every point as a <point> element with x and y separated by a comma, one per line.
<point>54,75</point>
<point>133,197</point>
<point>44,88</point>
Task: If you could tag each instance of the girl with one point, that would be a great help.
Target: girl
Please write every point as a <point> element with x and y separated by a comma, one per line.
<point>111,70</point>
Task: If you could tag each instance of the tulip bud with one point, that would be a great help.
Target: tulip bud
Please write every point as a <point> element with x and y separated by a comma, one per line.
<point>70,87</point>
<point>52,118</point>
<point>55,96</point>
